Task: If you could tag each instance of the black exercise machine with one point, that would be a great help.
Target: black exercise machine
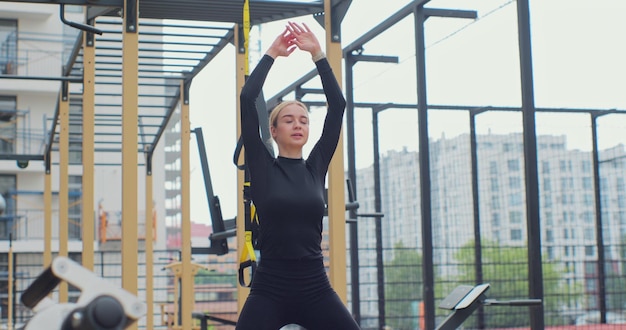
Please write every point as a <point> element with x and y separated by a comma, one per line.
<point>465,299</point>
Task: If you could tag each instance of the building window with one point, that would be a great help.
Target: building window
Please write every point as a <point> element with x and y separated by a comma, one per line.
<point>8,124</point>
<point>8,46</point>
<point>547,200</point>
<point>515,182</point>
<point>8,184</point>
<point>557,146</point>
<point>549,219</point>
<point>567,183</point>
<point>545,167</point>
<point>495,202</point>
<point>75,206</point>
<point>516,234</point>
<point>4,283</point>
<point>586,166</point>
<point>621,201</point>
<point>562,165</point>
<point>590,269</point>
<point>493,168</point>
<point>587,217</point>
<point>587,183</point>
<point>547,184</point>
<point>588,199</point>
<point>495,219</point>
<point>515,217</point>
<point>513,165</point>
<point>76,136</point>
<point>589,234</point>
<point>515,199</point>
<point>494,184</point>
<point>604,185</point>
<point>590,250</point>
<point>549,236</point>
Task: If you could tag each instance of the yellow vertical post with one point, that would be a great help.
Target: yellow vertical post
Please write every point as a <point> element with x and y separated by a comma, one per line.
<point>64,146</point>
<point>242,293</point>
<point>130,103</point>
<point>149,246</point>
<point>185,228</point>
<point>47,213</point>
<point>88,222</point>
<point>336,179</point>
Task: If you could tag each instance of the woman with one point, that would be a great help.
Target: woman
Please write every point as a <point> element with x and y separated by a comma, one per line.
<point>290,286</point>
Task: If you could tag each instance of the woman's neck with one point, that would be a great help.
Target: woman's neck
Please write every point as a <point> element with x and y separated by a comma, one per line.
<point>290,153</point>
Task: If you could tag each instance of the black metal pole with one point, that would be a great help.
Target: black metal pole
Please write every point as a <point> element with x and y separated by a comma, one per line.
<point>380,270</point>
<point>478,254</point>
<point>424,170</point>
<point>354,237</point>
<point>598,205</point>
<point>535,274</point>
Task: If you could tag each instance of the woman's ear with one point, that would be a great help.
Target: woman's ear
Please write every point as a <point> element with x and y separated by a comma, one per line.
<point>273,131</point>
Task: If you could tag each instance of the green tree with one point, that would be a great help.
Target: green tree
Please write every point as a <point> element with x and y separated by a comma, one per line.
<point>403,288</point>
<point>506,269</point>
<point>615,282</point>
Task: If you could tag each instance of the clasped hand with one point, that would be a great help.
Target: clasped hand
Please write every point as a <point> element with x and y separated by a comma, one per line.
<point>294,36</point>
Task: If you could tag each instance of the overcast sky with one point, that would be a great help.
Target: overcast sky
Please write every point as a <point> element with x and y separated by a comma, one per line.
<point>579,52</point>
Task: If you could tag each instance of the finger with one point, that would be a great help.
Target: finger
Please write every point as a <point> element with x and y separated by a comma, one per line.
<point>291,27</point>
<point>286,32</point>
<point>296,27</point>
<point>306,27</point>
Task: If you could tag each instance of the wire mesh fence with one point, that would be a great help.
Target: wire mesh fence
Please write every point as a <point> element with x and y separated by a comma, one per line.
<point>480,234</point>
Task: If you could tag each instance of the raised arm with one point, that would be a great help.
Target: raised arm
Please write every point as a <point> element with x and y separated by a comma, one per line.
<point>323,151</point>
<point>282,46</point>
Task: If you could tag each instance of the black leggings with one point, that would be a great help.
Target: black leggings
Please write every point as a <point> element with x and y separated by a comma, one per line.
<point>293,292</point>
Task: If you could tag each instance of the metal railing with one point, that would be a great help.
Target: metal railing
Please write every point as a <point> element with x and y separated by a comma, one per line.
<point>30,54</point>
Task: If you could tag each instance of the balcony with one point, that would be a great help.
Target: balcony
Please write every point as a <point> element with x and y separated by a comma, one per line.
<point>18,140</point>
<point>29,58</point>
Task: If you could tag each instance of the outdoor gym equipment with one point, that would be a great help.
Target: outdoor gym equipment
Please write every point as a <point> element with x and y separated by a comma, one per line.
<point>101,305</point>
<point>465,299</point>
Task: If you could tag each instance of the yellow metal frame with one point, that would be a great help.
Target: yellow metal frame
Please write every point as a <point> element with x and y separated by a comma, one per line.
<point>336,179</point>
<point>185,227</point>
<point>64,146</point>
<point>88,150</point>
<point>130,103</point>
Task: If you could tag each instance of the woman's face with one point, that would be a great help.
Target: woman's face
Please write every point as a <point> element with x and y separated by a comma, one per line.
<point>292,127</point>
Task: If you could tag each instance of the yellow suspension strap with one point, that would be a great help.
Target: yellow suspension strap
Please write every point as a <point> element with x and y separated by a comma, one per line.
<point>248,257</point>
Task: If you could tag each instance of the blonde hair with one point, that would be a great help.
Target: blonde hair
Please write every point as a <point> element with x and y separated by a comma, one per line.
<point>273,120</point>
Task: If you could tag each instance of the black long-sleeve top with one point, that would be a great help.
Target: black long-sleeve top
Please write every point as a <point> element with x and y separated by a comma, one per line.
<point>289,193</point>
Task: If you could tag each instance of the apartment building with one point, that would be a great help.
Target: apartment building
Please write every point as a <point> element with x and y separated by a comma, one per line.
<point>566,199</point>
<point>35,47</point>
